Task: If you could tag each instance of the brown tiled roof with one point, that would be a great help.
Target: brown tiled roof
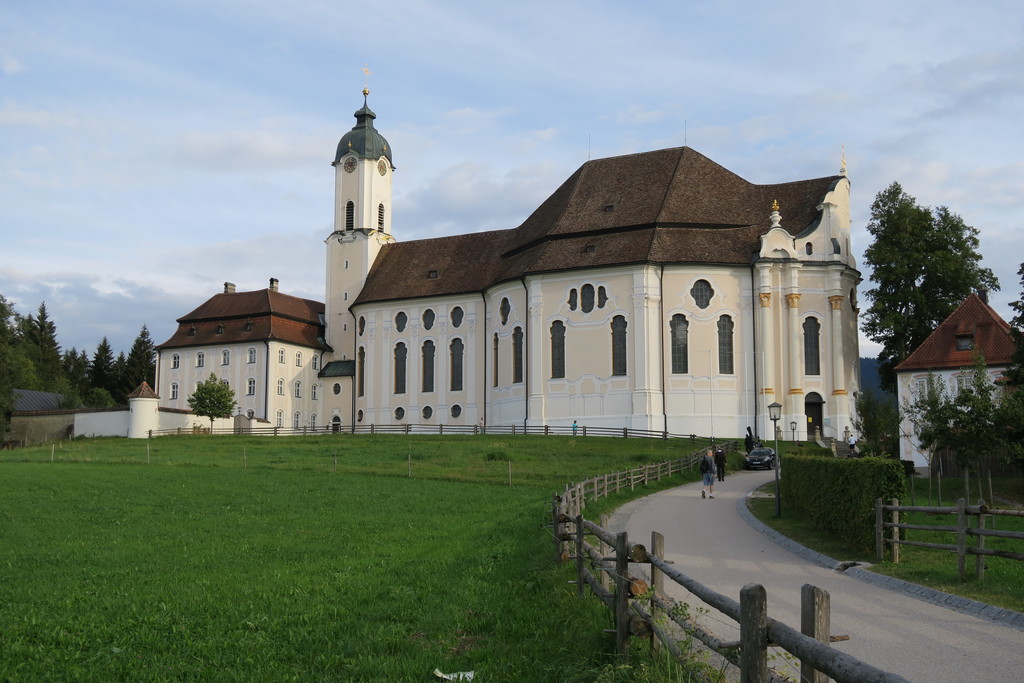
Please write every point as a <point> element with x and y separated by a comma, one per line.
<point>143,391</point>
<point>261,315</point>
<point>991,336</point>
<point>669,206</point>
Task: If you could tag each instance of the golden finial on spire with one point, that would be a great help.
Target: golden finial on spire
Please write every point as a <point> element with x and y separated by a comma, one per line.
<point>775,205</point>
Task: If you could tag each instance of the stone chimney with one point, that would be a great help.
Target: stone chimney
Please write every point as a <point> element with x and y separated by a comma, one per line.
<point>229,287</point>
<point>983,295</point>
<point>273,284</point>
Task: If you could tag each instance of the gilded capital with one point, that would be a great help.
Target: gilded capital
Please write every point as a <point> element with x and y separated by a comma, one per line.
<point>793,300</point>
<point>836,301</point>
<point>766,299</point>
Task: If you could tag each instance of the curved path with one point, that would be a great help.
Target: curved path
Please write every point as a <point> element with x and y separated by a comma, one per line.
<point>720,545</point>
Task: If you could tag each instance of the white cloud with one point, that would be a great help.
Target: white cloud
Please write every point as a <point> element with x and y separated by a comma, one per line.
<point>11,65</point>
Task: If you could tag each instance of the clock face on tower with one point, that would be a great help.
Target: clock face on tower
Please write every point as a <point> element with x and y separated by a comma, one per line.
<point>350,164</point>
<point>382,167</point>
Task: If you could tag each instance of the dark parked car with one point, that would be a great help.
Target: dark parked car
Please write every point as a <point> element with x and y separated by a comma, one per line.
<point>761,458</point>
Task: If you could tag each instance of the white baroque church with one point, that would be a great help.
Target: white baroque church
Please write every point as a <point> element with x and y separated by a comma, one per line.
<point>654,291</point>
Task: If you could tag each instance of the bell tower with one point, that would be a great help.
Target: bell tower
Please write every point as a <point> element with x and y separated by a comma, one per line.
<point>362,223</point>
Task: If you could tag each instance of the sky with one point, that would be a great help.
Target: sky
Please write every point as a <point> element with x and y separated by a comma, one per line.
<point>150,152</point>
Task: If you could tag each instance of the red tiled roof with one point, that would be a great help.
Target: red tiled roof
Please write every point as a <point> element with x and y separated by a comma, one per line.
<point>261,315</point>
<point>668,206</point>
<point>990,333</point>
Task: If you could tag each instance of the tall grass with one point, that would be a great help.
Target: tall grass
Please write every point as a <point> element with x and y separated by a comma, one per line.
<point>276,564</point>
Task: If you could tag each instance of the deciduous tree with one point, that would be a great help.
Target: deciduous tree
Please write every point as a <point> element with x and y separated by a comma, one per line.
<point>924,263</point>
<point>212,399</point>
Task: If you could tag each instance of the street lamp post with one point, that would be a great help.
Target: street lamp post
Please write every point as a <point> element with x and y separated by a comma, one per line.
<point>775,414</point>
<point>792,425</point>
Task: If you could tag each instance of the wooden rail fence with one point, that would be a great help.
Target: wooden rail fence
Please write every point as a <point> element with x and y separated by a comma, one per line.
<point>960,531</point>
<point>602,561</point>
<point>408,428</point>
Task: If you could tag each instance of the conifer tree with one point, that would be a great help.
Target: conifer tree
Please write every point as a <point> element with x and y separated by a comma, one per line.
<point>140,366</point>
<point>42,348</point>
<point>101,369</point>
<point>924,263</point>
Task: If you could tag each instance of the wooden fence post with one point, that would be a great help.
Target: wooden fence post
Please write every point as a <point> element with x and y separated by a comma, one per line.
<point>879,531</point>
<point>657,582</point>
<point>979,566</point>
<point>753,634</point>
<point>961,538</point>
<point>606,579</point>
<point>895,531</point>
<point>622,596</point>
<point>815,617</point>
<point>579,555</point>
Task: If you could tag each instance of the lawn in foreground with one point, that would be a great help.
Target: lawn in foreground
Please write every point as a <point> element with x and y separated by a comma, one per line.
<point>145,573</point>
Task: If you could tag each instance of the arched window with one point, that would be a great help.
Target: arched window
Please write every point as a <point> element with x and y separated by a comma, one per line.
<point>200,359</point>
<point>362,325</point>
<point>400,356</point>
<point>427,353</point>
<point>572,299</point>
<point>602,297</point>
<point>251,356</point>
<point>360,370</point>
<point>702,293</point>
<point>314,392</point>
<point>494,359</point>
<point>380,217</point>
<point>557,349</point>
<point>175,361</point>
<point>428,319</point>
<point>619,365</point>
<point>174,391</point>
<point>298,359</point>
<point>280,356</point>
<point>280,387</point>
<point>315,362</point>
<point>456,352</point>
<point>280,418</point>
<point>350,216</point>
<point>298,389</point>
<point>812,353</point>
<point>400,321</point>
<point>225,358</point>
<point>517,355</point>
<point>456,316</point>
<point>587,298</point>
<point>250,387</point>
<point>680,329</point>
<point>296,420</point>
<point>725,354</point>
<point>312,421</point>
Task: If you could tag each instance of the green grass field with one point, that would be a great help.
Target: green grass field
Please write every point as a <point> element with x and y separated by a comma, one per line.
<point>317,558</point>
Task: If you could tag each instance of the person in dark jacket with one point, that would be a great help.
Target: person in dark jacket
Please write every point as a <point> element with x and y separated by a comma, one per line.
<point>720,464</point>
<point>707,471</point>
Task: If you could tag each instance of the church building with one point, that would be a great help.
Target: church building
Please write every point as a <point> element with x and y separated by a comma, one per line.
<point>655,291</point>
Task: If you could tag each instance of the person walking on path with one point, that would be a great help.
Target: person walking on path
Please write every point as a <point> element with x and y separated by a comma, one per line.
<point>707,471</point>
<point>720,464</point>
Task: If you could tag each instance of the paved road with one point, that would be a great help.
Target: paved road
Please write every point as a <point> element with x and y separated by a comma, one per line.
<point>716,542</point>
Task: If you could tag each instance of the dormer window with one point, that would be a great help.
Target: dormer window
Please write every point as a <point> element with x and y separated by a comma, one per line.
<point>432,274</point>
<point>220,329</point>
<point>191,331</point>
<point>964,342</point>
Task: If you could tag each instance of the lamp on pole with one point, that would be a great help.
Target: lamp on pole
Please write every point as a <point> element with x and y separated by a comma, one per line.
<point>792,425</point>
<point>775,414</point>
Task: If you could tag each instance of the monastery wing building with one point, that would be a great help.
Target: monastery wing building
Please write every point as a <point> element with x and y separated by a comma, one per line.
<point>654,291</point>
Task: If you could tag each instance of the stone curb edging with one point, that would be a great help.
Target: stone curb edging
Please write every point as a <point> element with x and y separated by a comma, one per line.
<point>997,615</point>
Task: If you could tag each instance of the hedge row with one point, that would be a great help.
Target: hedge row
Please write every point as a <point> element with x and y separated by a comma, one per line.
<point>838,494</point>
